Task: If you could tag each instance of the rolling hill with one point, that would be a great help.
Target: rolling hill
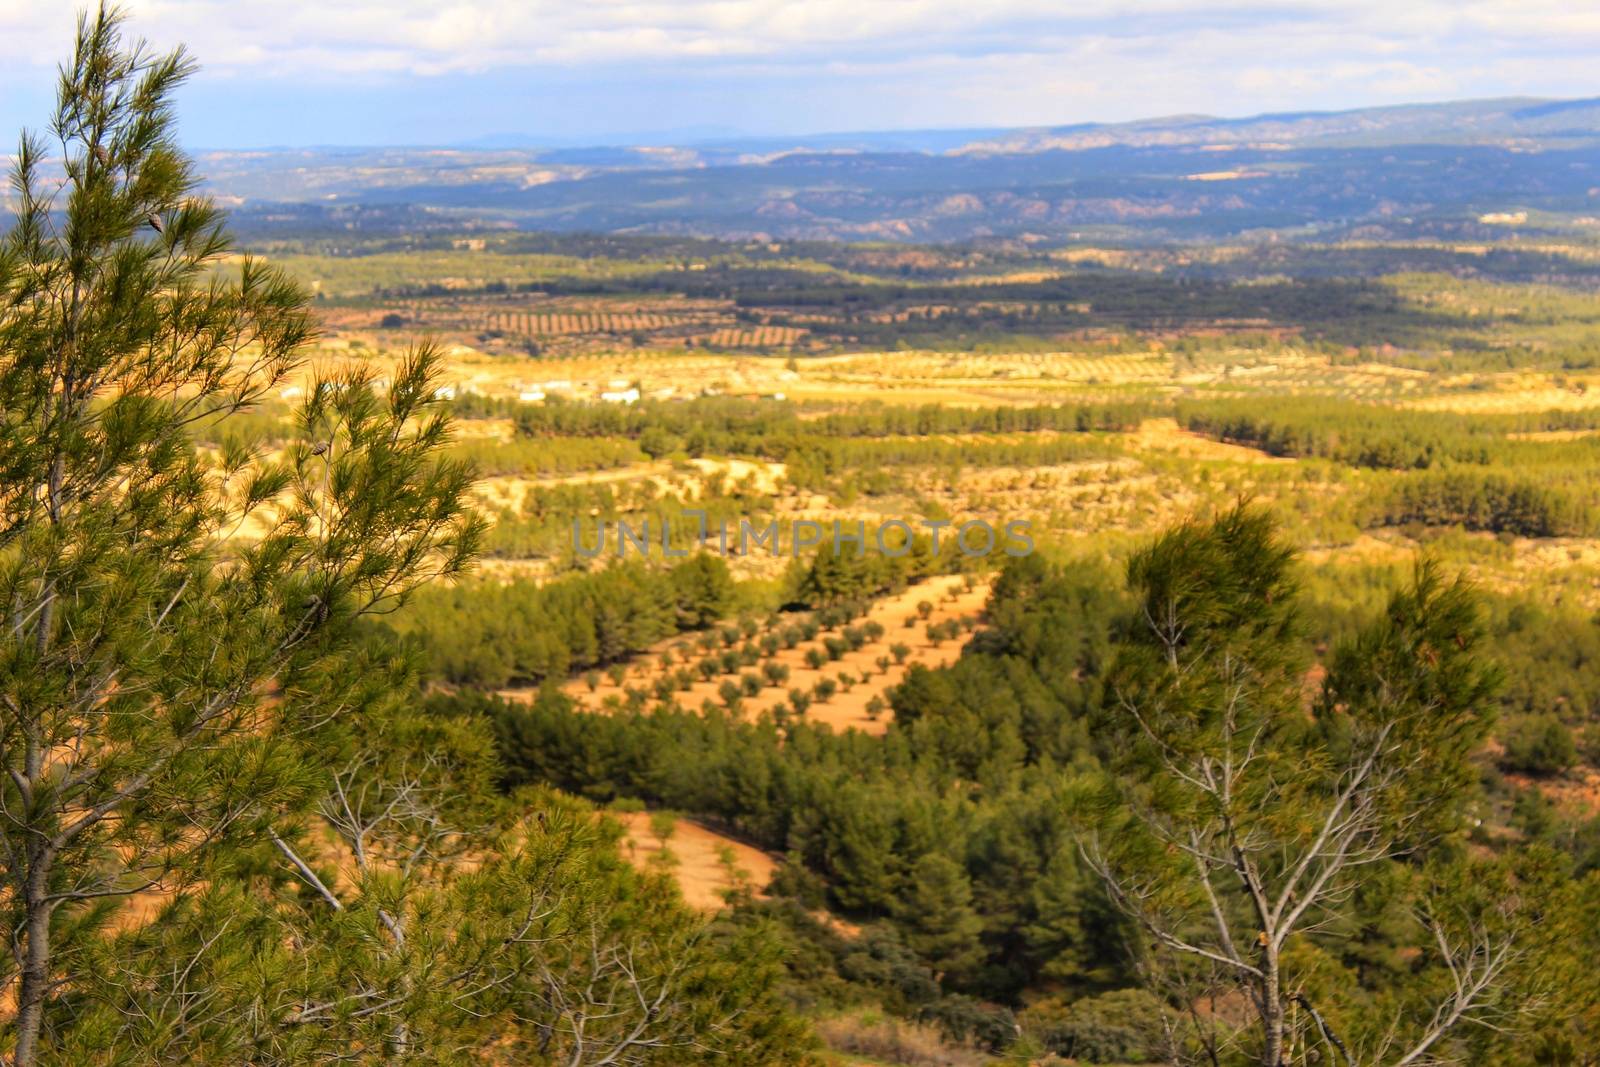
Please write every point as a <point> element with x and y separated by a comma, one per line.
<point>1420,170</point>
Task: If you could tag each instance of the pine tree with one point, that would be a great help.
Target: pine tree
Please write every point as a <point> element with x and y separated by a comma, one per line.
<point>1238,829</point>
<point>158,673</point>
<point>942,925</point>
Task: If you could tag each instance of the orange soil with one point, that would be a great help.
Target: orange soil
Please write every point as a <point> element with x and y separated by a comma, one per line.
<point>1165,435</point>
<point>699,869</point>
<point>844,710</point>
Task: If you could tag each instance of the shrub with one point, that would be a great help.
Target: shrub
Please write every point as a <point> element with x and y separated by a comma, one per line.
<point>895,1041</point>
<point>1122,1026</point>
<point>1537,744</point>
<point>662,825</point>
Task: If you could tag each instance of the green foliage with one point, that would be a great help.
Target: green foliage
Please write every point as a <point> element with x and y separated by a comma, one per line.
<point>1537,744</point>
<point>1227,810</point>
<point>140,642</point>
<point>958,810</point>
<point>1361,435</point>
<point>937,914</point>
<point>214,719</point>
<point>494,634</point>
<point>554,951</point>
<point>1122,1026</point>
<point>1484,500</point>
<point>864,812</point>
<point>775,429</point>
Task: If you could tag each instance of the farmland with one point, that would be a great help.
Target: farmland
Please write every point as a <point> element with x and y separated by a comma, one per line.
<point>781,340</point>
<point>1381,421</point>
<point>1095,393</point>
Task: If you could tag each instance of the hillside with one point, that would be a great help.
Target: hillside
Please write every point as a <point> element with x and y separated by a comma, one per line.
<point>1470,168</point>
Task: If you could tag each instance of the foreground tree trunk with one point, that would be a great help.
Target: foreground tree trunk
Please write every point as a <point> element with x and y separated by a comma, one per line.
<point>34,985</point>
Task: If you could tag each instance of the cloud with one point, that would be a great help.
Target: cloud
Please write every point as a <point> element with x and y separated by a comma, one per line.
<point>426,38</point>
<point>783,65</point>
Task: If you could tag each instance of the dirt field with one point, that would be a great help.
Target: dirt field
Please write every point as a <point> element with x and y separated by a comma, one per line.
<point>1510,394</point>
<point>846,709</point>
<point>706,864</point>
<point>1165,435</point>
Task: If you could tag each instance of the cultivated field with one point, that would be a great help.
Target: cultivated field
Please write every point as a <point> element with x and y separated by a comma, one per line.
<point>898,638</point>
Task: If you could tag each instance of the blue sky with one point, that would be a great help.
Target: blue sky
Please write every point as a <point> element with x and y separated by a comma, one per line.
<point>297,72</point>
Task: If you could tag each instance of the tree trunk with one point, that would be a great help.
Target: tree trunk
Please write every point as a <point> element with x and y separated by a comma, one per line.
<point>1271,1011</point>
<point>35,985</point>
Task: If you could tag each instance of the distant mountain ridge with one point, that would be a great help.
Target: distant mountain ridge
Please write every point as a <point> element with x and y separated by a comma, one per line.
<point>1500,121</point>
<point>1422,169</point>
<point>1488,121</point>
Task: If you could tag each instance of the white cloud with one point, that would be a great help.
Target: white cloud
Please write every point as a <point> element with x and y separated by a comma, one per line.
<point>815,64</point>
<point>343,37</point>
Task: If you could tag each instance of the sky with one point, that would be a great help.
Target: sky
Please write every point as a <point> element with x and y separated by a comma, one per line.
<point>444,72</point>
